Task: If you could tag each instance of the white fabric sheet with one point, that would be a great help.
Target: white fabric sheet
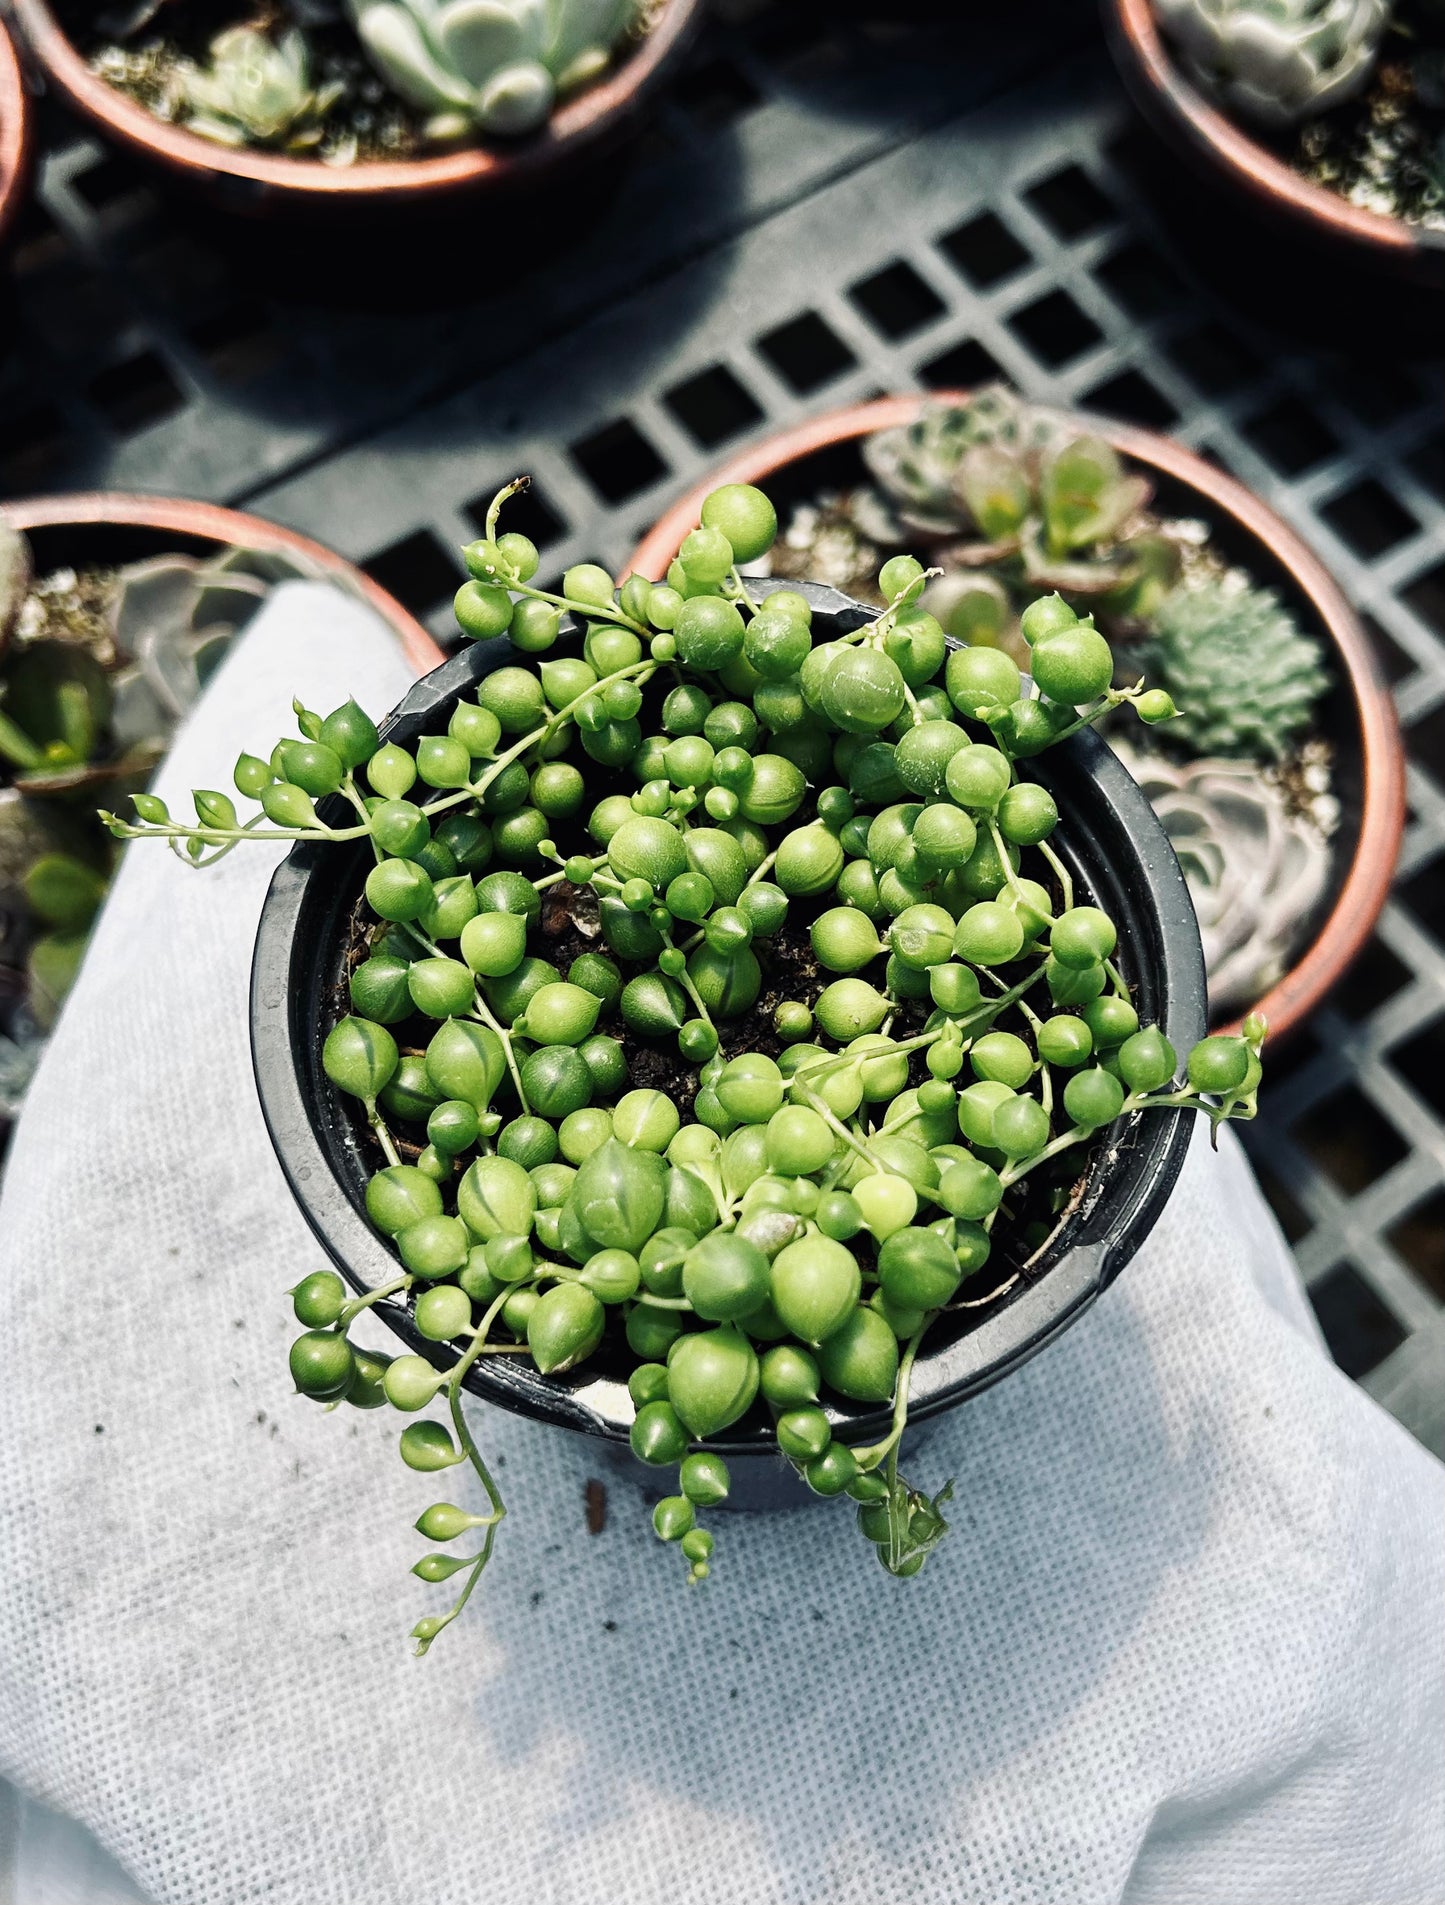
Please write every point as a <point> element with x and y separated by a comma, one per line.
<point>1184,1646</point>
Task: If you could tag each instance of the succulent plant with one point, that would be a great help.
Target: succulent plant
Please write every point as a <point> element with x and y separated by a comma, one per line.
<point>1255,867</point>
<point>256,91</point>
<point>97,673</point>
<point>490,65</point>
<point>688,1241</point>
<point>1038,505</point>
<point>1243,674</point>
<point>15,578</point>
<point>1278,61</point>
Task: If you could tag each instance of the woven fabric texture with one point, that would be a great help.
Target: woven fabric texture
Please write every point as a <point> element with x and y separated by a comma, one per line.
<point>1183,1646</point>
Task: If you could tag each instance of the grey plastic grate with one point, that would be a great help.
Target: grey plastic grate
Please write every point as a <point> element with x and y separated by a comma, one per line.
<point>829,207</point>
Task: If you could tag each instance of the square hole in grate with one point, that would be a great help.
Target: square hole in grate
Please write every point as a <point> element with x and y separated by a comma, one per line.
<point>1394,662</point>
<point>135,393</point>
<point>1288,1059</point>
<point>1358,1328</point>
<point>796,36</point>
<point>1420,1061</point>
<point>1139,279</point>
<point>528,512</point>
<point>1375,977</point>
<point>716,93</point>
<point>1055,329</point>
<point>1375,392</point>
<point>1426,596</point>
<point>1290,1217</point>
<point>1427,461</point>
<point>1131,395</point>
<point>1420,1239</point>
<point>33,442</point>
<point>1290,436</point>
<point>37,241</point>
<point>896,301</point>
<point>1424,894</point>
<point>963,367</point>
<point>618,461</point>
<point>984,251</point>
<point>713,406</point>
<point>1350,1141</point>
<point>1213,359</point>
<point>1425,741</point>
<point>183,278</point>
<point>109,180</point>
<point>1070,203</point>
<point>417,570</point>
<point>805,353</point>
<point>1136,153</point>
<point>1368,518</point>
<point>237,342</point>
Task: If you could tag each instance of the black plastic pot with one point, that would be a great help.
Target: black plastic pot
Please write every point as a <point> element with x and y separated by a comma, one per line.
<point>1119,855</point>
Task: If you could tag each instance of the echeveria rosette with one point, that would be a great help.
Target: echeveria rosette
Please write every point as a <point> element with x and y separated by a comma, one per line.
<point>494,66</point>
<point>1026,502</point>
<point>1256,869</point>
<point>1278,61</point>
<point>792,1239</point>
<point>257,91</point>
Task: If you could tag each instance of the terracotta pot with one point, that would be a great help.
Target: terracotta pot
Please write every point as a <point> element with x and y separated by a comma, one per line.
<point>1360,713</point>
<point>251,181</point>
<point>1215,145</point>
<point>16,132</point>
<point>98,525</point>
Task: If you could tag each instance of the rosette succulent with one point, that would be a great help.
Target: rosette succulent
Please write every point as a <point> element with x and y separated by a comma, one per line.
<point>97,671</point>
<point>1278,61</point>
<point>1245,677</point>
<point>1256,869</point>
<point>1028,503</point>
<point>492,65</point>
<point>256,91</point>
<point>709,780</point>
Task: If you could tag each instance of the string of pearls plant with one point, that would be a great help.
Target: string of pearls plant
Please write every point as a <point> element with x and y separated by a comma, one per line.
<point>797,1236</point>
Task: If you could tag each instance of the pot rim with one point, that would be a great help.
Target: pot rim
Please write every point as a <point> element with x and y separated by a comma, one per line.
<point>1351,920</point>
<point>211,521</point>
<point>1166,96</point>
<point>571,127</point>
<point>291,983</point>
<point>17,130</point>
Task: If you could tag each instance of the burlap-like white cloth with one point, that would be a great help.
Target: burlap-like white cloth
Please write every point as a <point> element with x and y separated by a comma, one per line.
<point>1185,1646</point>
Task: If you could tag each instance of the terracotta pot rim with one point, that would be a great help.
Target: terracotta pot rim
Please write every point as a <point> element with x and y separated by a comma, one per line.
<point>1164,94</point>
<point>180,516</point>
<point>572,127</point>
<point>1343,933</point>
<point>17,130</point>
